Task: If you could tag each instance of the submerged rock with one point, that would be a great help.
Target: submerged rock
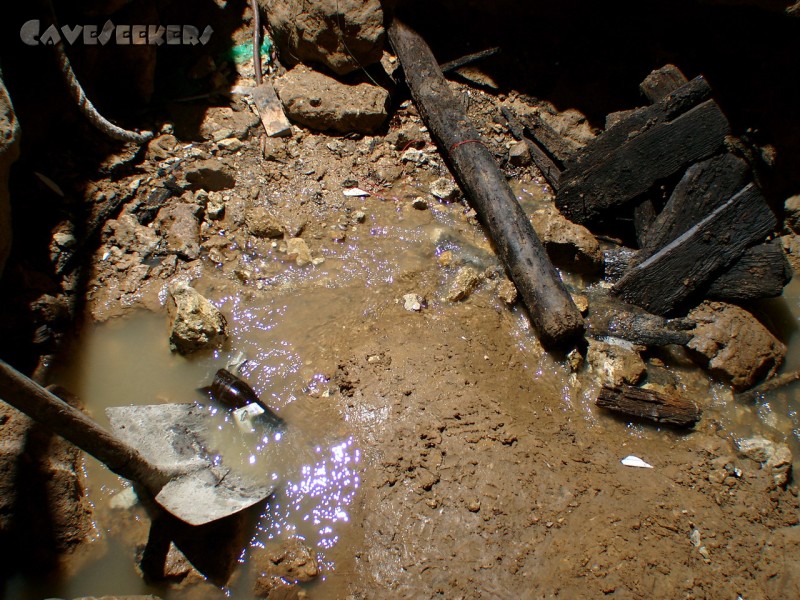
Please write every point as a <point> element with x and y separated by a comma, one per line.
<point>445,189</point>
<point>291,563</point>
<point>568,244</point>
<point>321,102</point>
<point>467,279</point>
<point>615,362</point>
<point>297,250</point>
<point>195,322</point>
<point>737,347</point>
<point>343,35</point>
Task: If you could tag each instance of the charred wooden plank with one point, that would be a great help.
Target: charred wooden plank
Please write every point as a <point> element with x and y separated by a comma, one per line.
<point>762,272</point>
<point>644,215</point>
<point>640,120</point>
<point>663,281</point>
<point>546,165</point>
<point>649,404</point>
<point>551,140</point>
<point>662,82</point>
<point>704,187</point>
<point>551,309</point>
<point>592,187</point>
<point>609,316</point>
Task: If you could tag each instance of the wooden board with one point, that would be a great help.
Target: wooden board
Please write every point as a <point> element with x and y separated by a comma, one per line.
<point>662,82</point>
<point>762,272</point>
<point>669,277</point>
<point>649,404</point>
<point>624,173</point>
<point>704,187</point>
<point>270,110</point>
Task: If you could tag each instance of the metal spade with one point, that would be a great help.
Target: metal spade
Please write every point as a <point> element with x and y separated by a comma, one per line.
<point>161,447</point>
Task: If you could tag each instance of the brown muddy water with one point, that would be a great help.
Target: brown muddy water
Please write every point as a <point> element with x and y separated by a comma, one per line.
<point>291,337</point>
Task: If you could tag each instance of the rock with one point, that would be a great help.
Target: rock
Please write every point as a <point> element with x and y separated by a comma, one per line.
<point>615,361</point>
<point>215,207</point>
<point>344,35</point>
<point>297,250</point>
<point>791,247</point>
<point>415,156</point>
<point>221,122</point>
<point>210,175</point>
<point>773,456</point>
<point>320,102</point>
<point>792,210</point>
<point>445,189</point>
<point>9,152</point>
<point>262,223</point>
<point>180,227</point>
<point>737,347</point>
<point>292,562</point>
<point>161,147</point>
<point>195,322</point>
<point>360,216</point>
<point>467,279</point>
<point>519,155</point>
<point>406,136</point>
<point>507,291</point>
<point>274,588</point>
<point>230,144</point>
<point>568,244</point>
<point>128,234</point>
<point>413,302</point>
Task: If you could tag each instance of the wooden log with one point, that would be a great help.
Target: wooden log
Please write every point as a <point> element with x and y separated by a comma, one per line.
<point>669,277</point>
<point>592,187</point>
<point>648,404</point>
<point>550,307</point>
<point>609,316</point>
<point>546,165</point>
<point>468,59</point>
<point>662,82</point>
<point>705,186</point>
<point>762,272</point>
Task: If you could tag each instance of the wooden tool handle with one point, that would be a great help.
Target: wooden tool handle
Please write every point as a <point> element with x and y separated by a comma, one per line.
<point>43,407</point>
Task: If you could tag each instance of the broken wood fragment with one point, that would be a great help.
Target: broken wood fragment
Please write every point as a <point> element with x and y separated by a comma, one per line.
<point>269,109</point>
<point>546,165</point>
<point>662,82</point>
<point>592,186</point>
<point>649,404</point>
<point>664,280</point>
<point>762,272</point>
<point>704,187</point>
<point>468,59</point>
<point>770,385</point>
<point>550,307</point>
<point>551,140</point>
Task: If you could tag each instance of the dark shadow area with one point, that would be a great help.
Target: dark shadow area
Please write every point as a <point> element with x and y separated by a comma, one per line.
<point>592,56</point>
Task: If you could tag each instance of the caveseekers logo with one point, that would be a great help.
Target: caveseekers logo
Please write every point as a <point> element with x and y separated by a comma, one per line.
<point>124,35</point>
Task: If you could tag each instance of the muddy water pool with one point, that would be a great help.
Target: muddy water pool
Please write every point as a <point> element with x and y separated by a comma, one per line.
<point>291,337</point>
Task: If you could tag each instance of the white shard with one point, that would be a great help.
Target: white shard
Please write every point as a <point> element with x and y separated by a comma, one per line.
<point>354,192</point>
<point>635,461</point>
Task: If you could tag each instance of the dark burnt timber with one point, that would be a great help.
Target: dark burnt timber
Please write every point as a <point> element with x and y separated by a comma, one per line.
<point>670,276</point>
<point>649,404</point>
<point>591,187</point>
<point>762,272</point>
<point>609,316</point>
<point>705,186</point>
<point>662,82</point>
<point>546,165</point>
<point>549,305</point>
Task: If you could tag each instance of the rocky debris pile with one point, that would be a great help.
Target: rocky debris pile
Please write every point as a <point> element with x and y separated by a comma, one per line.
<point>282,568</point>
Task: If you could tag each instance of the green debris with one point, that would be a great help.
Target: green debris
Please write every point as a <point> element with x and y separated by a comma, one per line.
<point>244,52</point>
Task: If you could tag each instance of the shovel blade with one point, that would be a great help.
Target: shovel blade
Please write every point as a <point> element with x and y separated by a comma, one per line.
<point>173,438</point>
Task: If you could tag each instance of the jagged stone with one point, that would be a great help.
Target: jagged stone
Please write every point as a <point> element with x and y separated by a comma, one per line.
<point>195,322</point>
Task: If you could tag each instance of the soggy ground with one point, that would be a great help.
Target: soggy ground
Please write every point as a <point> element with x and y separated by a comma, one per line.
<point>435,452</point>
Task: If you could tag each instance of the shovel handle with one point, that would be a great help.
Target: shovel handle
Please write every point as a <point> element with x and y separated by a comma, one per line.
<point>73,425</point>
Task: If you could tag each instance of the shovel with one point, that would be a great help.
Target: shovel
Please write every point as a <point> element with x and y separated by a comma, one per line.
<point>161,447</point>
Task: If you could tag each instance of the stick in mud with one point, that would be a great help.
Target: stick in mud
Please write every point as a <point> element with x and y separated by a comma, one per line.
<point>649,404</point>
<point>549,305</point>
